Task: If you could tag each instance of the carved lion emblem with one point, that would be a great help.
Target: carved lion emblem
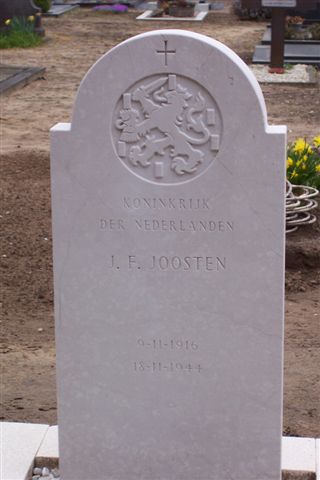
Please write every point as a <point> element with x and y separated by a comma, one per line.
<point>168,129</point>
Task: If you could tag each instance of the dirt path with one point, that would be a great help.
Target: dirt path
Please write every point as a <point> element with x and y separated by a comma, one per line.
<point>75,42</point>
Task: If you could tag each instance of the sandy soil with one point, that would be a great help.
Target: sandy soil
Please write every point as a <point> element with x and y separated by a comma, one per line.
<point>74,42</point>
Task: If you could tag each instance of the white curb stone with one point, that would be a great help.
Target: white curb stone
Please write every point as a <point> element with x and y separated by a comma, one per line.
<point>19,443</point>
<point>299,454</point>
<point>48,453</point>
<point>318,459</point>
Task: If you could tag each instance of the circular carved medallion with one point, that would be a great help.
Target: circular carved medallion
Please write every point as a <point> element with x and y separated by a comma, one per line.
<point>167,129</point>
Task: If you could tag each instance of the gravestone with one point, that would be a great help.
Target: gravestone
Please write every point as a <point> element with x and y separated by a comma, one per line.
<point>16,8</point>
<point>168,225</point>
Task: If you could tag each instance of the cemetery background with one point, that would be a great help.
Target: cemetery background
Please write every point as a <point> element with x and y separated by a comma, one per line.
<point>75,42</point>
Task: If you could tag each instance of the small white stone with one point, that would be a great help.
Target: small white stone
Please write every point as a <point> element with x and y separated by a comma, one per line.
<point>45,472</point>
<point>40,330</point>
<point>35,477</point>
<point>37,471</point>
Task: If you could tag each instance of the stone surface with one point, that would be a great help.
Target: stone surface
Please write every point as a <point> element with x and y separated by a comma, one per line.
<point>199,15</point>
<point>318,458</point>
<point>59,9</point>
<point>16,8</point>
<point>12,77</point>
<point>293,53</point>
<point>48,453</point>
<point>19,444</point>
<point>299,454</point>
<point>279,3</point>
<point>169,267</point>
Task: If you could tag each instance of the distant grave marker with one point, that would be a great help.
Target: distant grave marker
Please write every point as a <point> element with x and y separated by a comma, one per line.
<point>168,226</point>
<point>16,8</point>
<point>279,12</point>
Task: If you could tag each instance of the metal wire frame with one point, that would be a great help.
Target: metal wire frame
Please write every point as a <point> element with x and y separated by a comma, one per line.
<point>299,202</point>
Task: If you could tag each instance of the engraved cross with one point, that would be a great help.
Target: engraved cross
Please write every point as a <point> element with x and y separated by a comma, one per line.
<point>166,52</point>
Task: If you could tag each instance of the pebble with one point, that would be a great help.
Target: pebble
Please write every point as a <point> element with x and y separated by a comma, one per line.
<point>45,474</point>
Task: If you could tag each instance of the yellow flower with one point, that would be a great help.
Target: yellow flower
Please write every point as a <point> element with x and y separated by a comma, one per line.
<point>300,145</point>
<point>31,18</point>
<point>303,167</point>
<point>316,141</point>
<point>294,174</point>
<point>318,168</point>
<point>7,22</point>
<point>289,162</point>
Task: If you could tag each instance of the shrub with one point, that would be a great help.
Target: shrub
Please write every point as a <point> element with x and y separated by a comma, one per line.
<point>303,162</point>
<point>43,4</point>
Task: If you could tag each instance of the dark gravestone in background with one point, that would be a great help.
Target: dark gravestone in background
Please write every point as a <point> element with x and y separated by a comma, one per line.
<point>301,4</point>
<point>16,8</point>
<point>306,8</point>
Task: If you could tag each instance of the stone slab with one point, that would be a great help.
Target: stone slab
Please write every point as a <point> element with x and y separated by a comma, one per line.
<point>12,77</point>
<point>299,454</point>
<point>57,10</point>
<point>296,53</point>
<point>279,3</point>
<point>48,453</point>
<point>19,445</point>
<point>160,217</point>
<point>149,15</point>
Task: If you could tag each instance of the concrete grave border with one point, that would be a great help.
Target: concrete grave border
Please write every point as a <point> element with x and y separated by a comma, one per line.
<point>147,15</point>
<point>21,76</point>
<point>36,445</point>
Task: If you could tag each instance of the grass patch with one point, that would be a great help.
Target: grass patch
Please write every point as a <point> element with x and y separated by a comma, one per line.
<point>15,39</point>
<point>19,32</point>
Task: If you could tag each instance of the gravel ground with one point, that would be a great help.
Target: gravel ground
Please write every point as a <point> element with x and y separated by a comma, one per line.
<point>297,74</point>
<point>45,474</point>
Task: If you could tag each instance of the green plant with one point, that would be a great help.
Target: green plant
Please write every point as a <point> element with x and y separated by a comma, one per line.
<point>314,29</point>
<point>19,33</point>
<point>303,162</point>
<point>45,5</point>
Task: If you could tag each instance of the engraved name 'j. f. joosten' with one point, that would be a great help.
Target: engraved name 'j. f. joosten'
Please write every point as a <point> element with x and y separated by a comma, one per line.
<point>203,263</point>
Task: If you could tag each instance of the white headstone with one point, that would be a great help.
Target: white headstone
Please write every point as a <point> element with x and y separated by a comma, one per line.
<point>168,221</point>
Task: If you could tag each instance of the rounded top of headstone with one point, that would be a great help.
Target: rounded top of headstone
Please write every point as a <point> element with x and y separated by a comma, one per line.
<point>170,100</point>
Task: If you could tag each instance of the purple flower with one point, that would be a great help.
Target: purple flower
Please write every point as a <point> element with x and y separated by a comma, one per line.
<point>117,8</point>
